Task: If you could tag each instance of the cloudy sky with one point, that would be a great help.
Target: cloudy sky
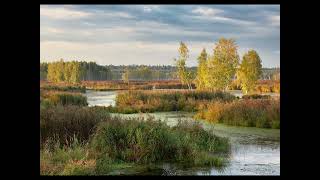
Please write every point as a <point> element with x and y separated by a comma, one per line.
<point>150,34</point>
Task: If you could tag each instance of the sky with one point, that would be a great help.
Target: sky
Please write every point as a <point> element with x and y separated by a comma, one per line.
<point>150,34</point>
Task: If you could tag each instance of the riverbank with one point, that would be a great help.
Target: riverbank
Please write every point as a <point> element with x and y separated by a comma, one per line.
<point>79,140</point>
<point>250,148</point>
<point>254,151</point>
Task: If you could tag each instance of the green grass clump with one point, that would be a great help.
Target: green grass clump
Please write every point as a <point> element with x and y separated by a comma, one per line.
<point>148,141</point>
<point>262,113</point>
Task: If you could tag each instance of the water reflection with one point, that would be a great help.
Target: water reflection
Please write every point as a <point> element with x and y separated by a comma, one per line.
<point>101,98</point>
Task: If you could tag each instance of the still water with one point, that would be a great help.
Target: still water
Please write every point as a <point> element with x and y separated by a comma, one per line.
<point>254,151</point>
<point>101,98</point>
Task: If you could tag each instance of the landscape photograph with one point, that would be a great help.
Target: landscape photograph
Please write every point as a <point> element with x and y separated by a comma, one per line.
<point>160,90</point>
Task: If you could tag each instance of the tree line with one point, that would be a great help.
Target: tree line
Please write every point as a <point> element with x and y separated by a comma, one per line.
<point>214,72</point>
<point>90,71</point>
<point>217,71</point>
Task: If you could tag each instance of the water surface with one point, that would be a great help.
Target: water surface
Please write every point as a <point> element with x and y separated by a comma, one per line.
<point>254,151</point>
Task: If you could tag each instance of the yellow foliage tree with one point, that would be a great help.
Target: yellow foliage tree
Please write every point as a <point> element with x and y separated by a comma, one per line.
<point>249,71</point>
<point>202,70</point>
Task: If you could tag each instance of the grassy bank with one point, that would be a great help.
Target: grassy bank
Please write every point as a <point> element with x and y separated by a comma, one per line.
<point>161,101</point>
<point>268,86</point>
<point>64,123</point>
<point>86,141</point>
<point>113,85</point>
<point>80,89</point>
<point>262,86</point>
<point>54,98</point>
<point>134,85</point>
<point>263,113</point>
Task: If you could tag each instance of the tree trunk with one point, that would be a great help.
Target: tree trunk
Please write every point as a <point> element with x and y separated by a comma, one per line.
<point>189,87</point>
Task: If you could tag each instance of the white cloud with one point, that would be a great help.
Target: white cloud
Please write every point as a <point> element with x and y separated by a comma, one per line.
<point>117,14</point>
<point>117,42</point>
<point>134,52</point>
<point>149,8</point>
<point>275,20</point>
<point>65,13</point>
<point>62,13</point>
<point>112,14</point>
<point>127,52</point>
<point>214,15</point>
<point>204,11</point>
<point>54,30</point>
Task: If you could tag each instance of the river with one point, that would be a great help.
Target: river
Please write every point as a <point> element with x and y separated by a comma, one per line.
<point>254,151</point>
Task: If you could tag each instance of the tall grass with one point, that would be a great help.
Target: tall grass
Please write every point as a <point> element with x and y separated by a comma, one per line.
<point>262,113</point>
<point>267,86</point>
<point>134,85</point>
<point>120,141</point>
<point>262,86</point>
<point>256,96</point>
<point>113,85</point>
<point>66,160</point>
<point>80,89</point>
<point>150,141</point>
<point>54,98</point>
<point>65,123</point>
<point>151,101</point>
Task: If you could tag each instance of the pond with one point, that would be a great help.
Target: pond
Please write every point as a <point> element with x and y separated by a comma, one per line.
<point>101,98</point>
<point>254,151</point>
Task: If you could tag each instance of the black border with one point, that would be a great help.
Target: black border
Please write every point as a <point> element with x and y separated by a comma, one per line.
<point>23,117</point>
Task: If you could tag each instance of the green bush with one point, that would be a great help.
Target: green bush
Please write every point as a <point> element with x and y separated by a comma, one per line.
<point>149,141</point>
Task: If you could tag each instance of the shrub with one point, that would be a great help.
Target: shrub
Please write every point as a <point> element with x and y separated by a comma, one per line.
<point>55,98</point>
<point>151,101</point>
<point>81,89</point>
<point>149,141</point>
<point>66,160</point>
<point>119,142</point>
<point>262,113</point>
<point>267,86</point>
<point>66,122</point>
<point>256,96</point>
<point>134,85</point>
